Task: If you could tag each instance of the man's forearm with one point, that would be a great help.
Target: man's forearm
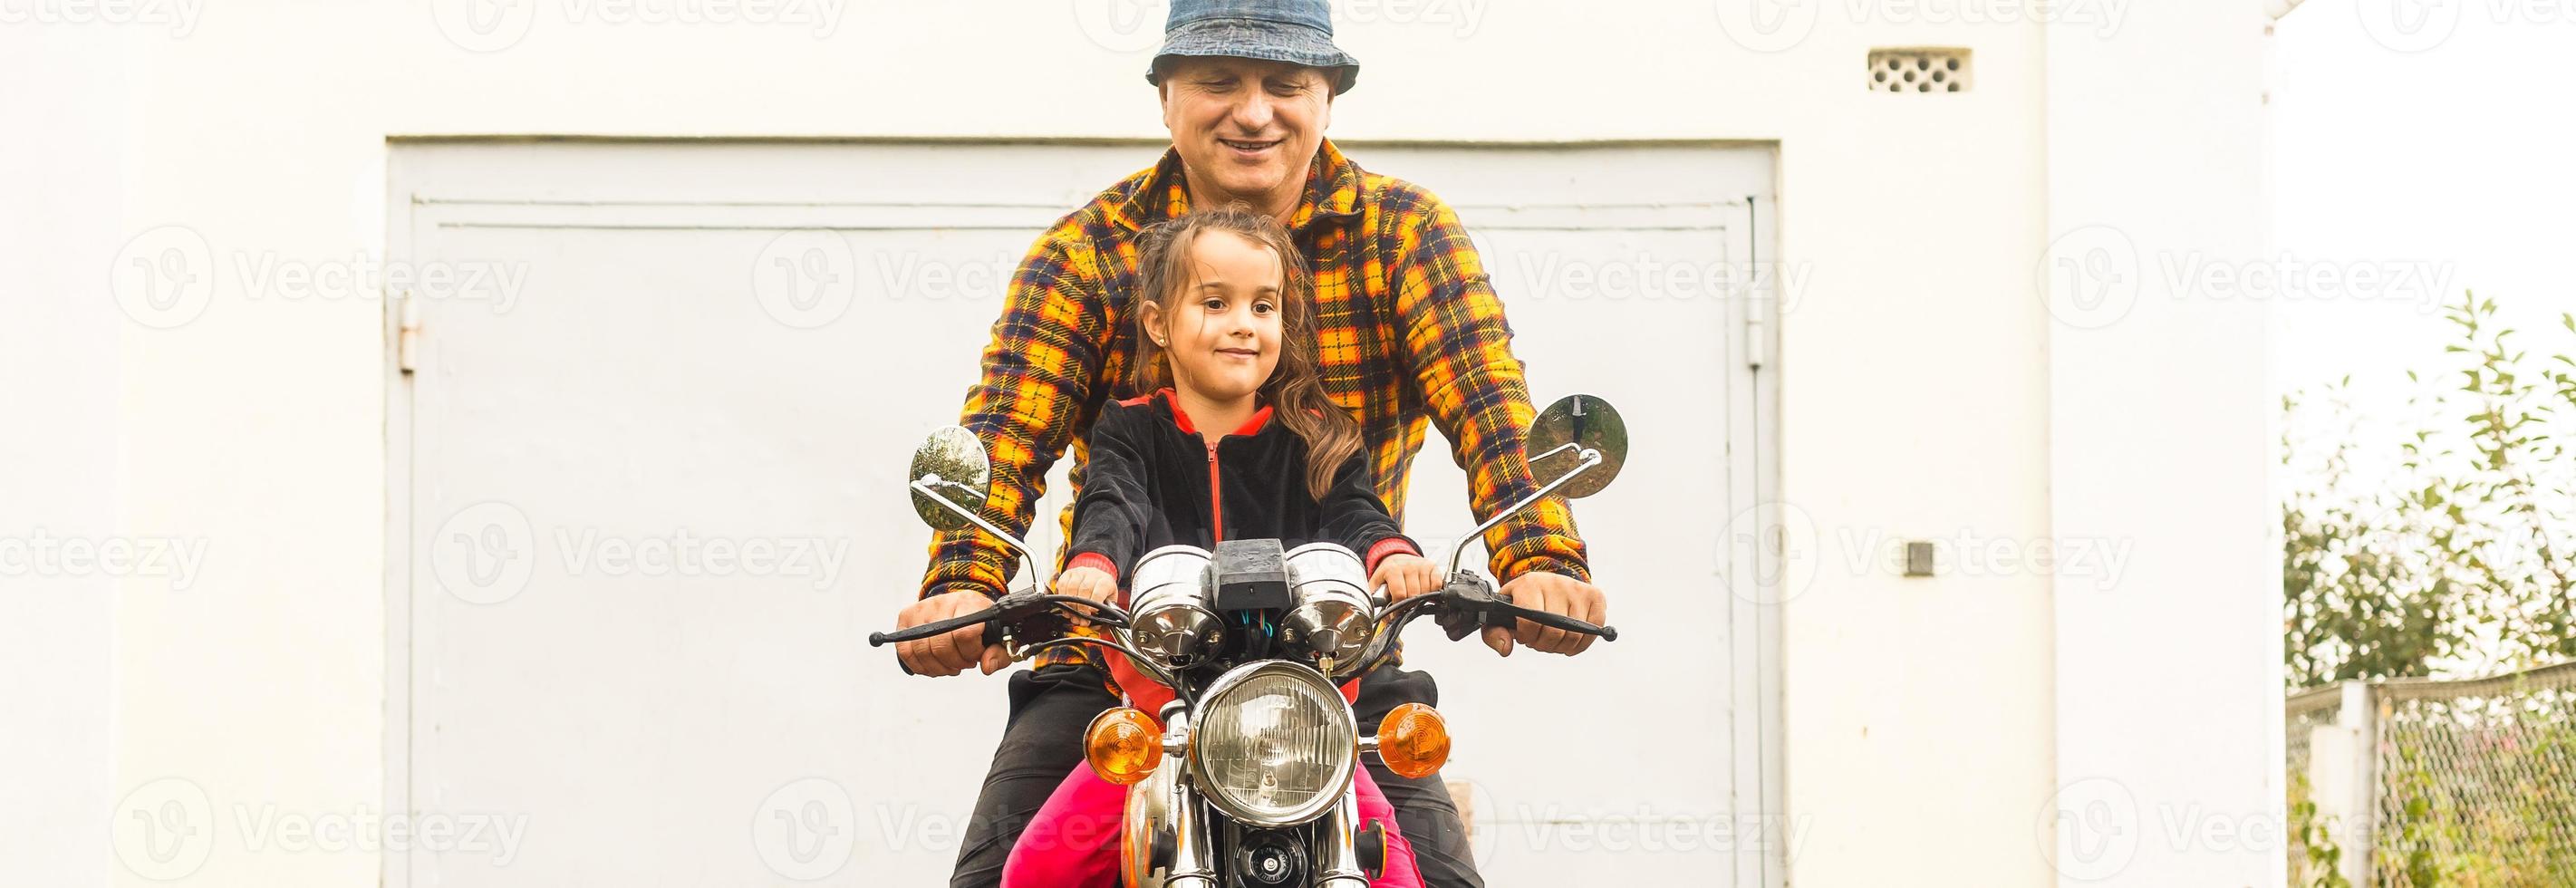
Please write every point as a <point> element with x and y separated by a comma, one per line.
<point>1460,345</point>
<point>1037,371</point>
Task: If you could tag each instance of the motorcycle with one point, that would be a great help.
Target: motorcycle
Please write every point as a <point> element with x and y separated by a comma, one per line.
<point>1250,780</point>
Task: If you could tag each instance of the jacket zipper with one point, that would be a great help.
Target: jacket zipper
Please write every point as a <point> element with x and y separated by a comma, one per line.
<point>1216,497</point>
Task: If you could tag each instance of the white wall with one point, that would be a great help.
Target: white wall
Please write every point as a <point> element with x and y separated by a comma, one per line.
<point>1923,718</point>
<point>58,451</point>
<point>2167,688</point>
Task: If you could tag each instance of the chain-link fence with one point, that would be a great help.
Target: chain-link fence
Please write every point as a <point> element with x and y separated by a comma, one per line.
<point>2418,782</point>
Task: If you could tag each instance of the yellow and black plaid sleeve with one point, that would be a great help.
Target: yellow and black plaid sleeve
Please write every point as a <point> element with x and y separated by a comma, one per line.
<point>1035,394</point>
<point>1458,346</point>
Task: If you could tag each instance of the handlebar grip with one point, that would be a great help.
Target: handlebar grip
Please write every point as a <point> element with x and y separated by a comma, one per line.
<point>1505,612</point>
<point>1560,621</point>
<point>929,630</point>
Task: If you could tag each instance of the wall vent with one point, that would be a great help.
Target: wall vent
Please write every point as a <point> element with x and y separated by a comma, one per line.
<point>1925,70</point>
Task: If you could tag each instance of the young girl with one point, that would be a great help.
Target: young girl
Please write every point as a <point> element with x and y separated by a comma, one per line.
<point>1224,318</point>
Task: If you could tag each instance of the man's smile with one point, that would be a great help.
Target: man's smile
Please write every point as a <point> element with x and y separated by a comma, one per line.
<point>1249,146</point>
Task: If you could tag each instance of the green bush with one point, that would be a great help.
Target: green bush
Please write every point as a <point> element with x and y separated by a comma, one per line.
<point>2457,562</point>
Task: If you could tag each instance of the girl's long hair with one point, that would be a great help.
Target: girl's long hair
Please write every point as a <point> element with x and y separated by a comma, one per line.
<point>1295,390</point>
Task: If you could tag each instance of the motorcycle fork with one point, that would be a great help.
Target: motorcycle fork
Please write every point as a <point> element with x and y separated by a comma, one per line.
<point>1193,861</point>
<point>1336,856</point>
<point>1332,854</point>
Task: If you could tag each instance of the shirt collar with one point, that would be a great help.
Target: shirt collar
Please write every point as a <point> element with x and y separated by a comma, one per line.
<point>1332,191</point>
<point>1250,427</point>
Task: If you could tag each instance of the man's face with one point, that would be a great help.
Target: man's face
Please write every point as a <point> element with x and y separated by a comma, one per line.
<point>1244,127</point>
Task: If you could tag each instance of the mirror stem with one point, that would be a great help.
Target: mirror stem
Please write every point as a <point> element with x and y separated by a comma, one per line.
<point>1591,457</point>
<point>928,485</point>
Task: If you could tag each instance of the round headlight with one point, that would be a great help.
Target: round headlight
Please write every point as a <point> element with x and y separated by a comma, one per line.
<point>1274,744</point>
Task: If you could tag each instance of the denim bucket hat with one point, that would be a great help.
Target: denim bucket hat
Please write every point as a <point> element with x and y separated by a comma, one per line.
<point>1294,31</point>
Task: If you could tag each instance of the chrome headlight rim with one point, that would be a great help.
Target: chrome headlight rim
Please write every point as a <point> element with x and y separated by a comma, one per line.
<point>1340,716</point>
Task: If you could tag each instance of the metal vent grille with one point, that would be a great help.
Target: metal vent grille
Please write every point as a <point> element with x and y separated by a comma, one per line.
<point>1919,70</point>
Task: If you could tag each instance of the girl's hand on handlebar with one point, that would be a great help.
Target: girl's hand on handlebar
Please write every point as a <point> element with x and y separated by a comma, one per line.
<point>1405,576</point>
<point>1089,583</point>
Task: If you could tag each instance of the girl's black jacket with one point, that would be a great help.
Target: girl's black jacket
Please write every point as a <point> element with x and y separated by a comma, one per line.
<point>1153,480</point>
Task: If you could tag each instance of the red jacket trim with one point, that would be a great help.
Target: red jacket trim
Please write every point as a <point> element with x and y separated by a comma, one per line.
<point>1251,426</point>
<point>1097,561</point>
<point>1389,546</point>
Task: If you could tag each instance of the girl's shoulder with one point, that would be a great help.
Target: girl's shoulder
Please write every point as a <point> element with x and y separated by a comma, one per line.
<point>1134,416</point>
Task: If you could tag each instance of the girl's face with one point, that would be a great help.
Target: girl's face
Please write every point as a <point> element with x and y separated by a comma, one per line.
<point>1221,331</point>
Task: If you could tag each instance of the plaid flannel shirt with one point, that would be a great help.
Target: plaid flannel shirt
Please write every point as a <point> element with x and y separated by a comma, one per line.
<point>1410,333</point>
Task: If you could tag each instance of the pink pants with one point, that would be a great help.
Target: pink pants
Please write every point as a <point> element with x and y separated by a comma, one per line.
<point>1073,841</point>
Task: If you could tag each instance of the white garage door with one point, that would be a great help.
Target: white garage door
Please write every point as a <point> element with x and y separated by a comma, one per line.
<point>647,503</point>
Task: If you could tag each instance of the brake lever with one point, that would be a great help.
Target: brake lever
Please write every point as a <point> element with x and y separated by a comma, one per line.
<point>990,615</point>
<point>1506,615</point>
<point>1474,605</point>
<point>1023,614</point>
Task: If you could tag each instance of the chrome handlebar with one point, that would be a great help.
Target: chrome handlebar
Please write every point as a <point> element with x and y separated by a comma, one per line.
<point>1330,600</point>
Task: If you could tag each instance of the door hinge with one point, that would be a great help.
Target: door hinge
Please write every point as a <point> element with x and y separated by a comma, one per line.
<point>407,337</point>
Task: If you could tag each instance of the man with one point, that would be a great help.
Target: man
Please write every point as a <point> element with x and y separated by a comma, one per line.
<point>1410,330</point>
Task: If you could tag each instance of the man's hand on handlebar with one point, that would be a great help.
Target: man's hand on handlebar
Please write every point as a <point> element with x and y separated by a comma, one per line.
<point>1556,594</point>
<point>956,651</point>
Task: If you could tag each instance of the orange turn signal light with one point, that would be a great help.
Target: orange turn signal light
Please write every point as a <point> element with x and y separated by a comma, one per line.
<point>1122,745</point>
<point>1413,740</point>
